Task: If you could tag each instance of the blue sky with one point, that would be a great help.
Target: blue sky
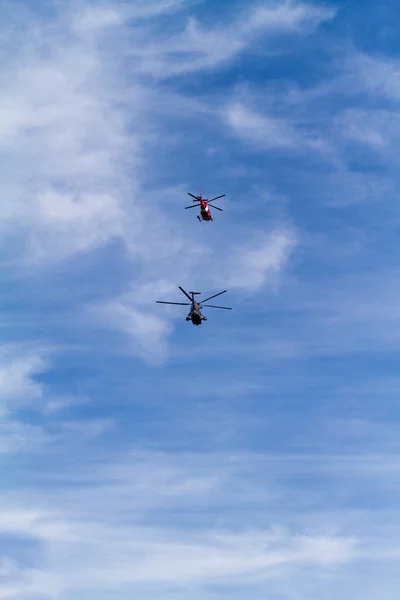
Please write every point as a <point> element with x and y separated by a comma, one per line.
<point>255,456</point>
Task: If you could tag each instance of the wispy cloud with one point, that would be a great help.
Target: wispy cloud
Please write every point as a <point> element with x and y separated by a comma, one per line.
<point>126,550</point>
<point>379,75</point>
<point>261,129</point>
<point>148,332</point>
<point>63,144</point>
<point>208,47</point>
<point>231,531</point>
<point>17,376</point>
<point>259,261</point>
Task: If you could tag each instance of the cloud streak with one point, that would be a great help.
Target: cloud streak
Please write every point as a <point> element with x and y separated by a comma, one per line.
<point>200,48</point>
<point>91,538</point>
<point>125,551</point>
<point>17,376</point>
<point>260,262</point>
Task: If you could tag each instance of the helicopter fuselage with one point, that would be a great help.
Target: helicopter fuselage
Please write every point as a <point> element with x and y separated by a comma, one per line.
<point>205,212</point>
<point>195,315</point>
<point>196,318</point>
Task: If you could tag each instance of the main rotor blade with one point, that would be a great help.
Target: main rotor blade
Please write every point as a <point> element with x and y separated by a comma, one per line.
<point>193,206</point>
<point>215,295</point>
<point>195,197</point>
<point>216,198</point>
<point>212,306</point>
<point>215,206</point>
<point>180,303</point>
<point>186,294</point>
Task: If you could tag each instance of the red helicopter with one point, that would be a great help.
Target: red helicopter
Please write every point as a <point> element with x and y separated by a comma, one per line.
<point>204,203</point>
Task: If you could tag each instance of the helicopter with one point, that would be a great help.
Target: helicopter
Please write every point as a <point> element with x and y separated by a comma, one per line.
<point>204,203</point>
<point>195,314</point>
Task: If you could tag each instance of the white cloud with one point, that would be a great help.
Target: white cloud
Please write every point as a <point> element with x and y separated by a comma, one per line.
<point>259,261</point>
<point>287,15</point>
<point>148,332</point>
<point>288,116</point>
<point>17,377</point>
<point>62,144</point>
<point>145,522</point>
<point>97,17</point>
<point>326,550</point>
<point>367,127</point>
<point>16,436</point>
<point>260,129</point>
<point>117,528</point>
<point>68,223</point>
<point>20,389</point>
<point>202,48</point>
<point>271,132</point>
<point>377,128</point>
<point>379,76</point>
<point>336,316</point>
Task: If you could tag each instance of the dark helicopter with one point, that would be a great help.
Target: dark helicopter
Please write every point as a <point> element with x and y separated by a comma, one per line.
<point>195,307</point>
